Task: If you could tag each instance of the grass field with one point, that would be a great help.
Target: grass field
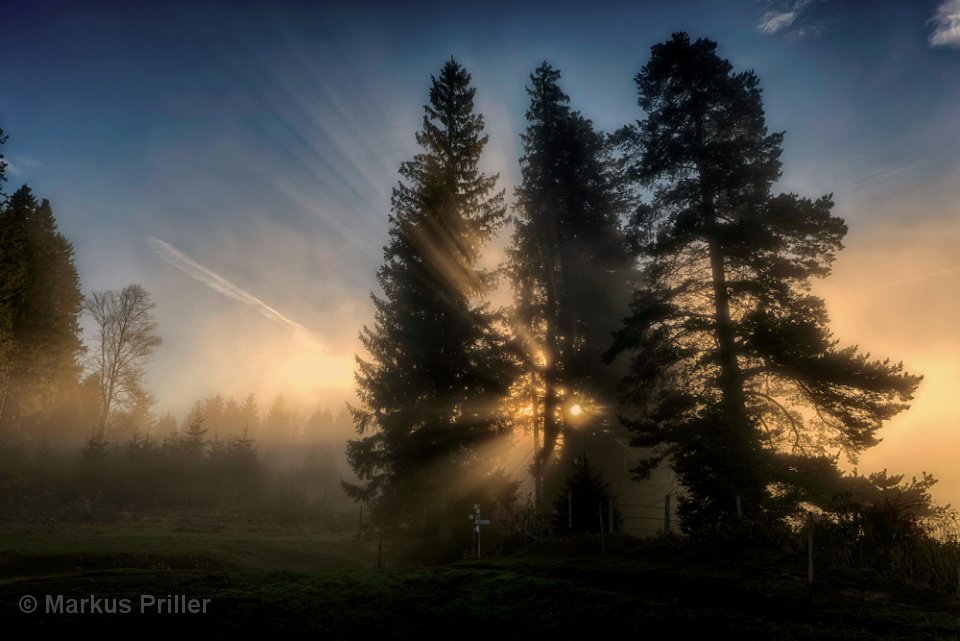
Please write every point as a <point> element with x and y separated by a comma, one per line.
<point>328,587</point>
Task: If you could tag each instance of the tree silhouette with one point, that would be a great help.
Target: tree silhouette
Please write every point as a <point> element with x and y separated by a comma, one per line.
<point>431,392</point>
<point>3,167</point>
<point>583,502</point>
<point>40,305</point>
<point>125,338</point>
<point>735,376</point>
<point>570,260</point>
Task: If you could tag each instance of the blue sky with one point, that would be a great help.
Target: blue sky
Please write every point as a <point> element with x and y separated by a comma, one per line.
<point>257,143</point>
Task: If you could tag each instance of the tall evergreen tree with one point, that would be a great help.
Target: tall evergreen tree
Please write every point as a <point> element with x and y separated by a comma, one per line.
<point>3,167</point>
<point>250,415</point>
<point>40,304</point>
<point>571,263</point>
<point>735,376</point>
<point>431,391</point>
<point>278,424</point>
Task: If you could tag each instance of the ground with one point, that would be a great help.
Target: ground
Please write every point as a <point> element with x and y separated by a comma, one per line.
<point>328,587</point>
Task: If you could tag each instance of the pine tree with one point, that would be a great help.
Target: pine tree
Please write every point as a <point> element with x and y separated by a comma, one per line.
<point>3,167</point>
<point>584,500</point>
<point>431,390</point>
<point>278,423</point>
<point>571,262</point>
<point>250,415</point>
<point>319,426</point>
<point>40,305</point>
<point>735,376</point>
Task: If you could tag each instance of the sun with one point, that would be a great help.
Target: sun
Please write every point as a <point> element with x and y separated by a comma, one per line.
<point>576,410</point>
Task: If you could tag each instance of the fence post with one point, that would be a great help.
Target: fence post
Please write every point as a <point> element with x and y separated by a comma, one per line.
<point>603,543</point>
<point>666,515</point>
<point>380,547</point>
<point>610,515</point>
<point>570,510</point>
<point>810,548</point>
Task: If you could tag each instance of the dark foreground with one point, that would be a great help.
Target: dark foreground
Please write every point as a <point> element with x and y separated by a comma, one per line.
<point>328,588</point>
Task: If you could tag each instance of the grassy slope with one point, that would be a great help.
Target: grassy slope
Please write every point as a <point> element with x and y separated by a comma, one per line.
<point>304,584</point>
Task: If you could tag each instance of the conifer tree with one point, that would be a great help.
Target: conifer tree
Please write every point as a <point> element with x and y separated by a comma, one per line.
<point>571,263</point>
<point>40,305</point>
<point>432,387</point>
<point>736,379</point>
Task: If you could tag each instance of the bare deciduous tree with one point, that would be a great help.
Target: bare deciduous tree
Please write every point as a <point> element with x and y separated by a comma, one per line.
<point>124,340</point>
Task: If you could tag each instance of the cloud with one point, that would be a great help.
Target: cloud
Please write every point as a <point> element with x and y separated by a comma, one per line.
<point>913,279</point>
<point>220,284</point>
<point>946,31</point>
<point>774,22</point>
<point>793,17</point>
<point>16,168</point>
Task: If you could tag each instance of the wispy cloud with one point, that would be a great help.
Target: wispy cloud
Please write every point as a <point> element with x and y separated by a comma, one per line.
<point>791,16</point>
<point>774,22</point>
<point>912,279</point>
<point>218,283</point>
<point>15,164</point>
<point>946,21</point>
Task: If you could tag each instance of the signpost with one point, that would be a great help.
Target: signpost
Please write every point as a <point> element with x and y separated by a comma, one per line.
<point>477,522</point>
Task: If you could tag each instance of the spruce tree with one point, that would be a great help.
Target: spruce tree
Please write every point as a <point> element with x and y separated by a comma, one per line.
<point>571,263</point>
<point>736,378</point>
<point>40,305</point>
<point>432,388</point>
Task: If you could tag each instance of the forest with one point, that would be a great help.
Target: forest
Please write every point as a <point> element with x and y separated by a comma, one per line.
<point>662,383</point>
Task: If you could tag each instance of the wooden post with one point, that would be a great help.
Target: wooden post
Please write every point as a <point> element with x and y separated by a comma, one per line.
<point>603,543</point>
<point>360,524</point>
<point>610,515</point>
<point>570,510</point>
<point>537,472</point>
<point>666,515</point>
<point>739,507</point>
<point>810,548</point>
<point>380,547</point>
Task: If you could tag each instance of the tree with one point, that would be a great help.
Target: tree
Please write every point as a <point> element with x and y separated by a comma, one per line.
<point>125,338</point>
<point>319,426</point>
<point>3,167</point>
<point>735,376</point>
<point>583,503</point>
<point>432,388</point>
<point>278,424</point>
<point>167,425</point>
<point>40,305</point>
<point>570,262</point>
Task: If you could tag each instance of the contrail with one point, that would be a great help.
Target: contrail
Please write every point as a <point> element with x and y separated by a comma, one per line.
<point>220,284</point>
<point>903,281</point>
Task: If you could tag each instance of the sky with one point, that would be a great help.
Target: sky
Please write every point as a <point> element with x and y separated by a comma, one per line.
<point>237,159</point>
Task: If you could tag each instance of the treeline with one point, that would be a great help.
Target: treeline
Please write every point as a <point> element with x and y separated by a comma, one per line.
<point>218,480</point>
<point>278,424</point>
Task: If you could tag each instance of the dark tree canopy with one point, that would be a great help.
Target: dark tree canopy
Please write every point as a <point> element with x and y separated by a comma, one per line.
<point>40,305</point>
<point>570,261</point>
<point>735,378</point>
<point>431,392</point>
<point>3,166</point>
